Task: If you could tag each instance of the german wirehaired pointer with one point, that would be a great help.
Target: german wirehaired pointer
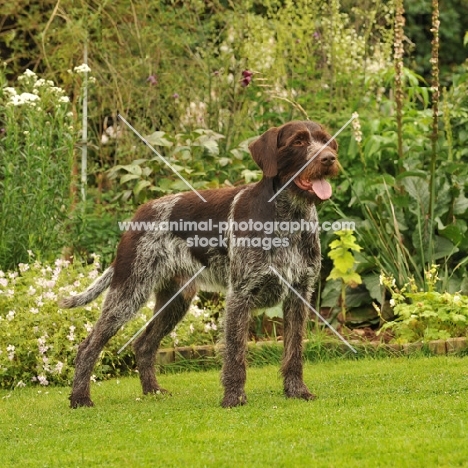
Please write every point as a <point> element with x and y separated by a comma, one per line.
<point>162,261</point>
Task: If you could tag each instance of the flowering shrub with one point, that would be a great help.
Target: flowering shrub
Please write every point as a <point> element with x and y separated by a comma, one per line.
<point>39,341</point>
<point>425,315</point>
<point>36,154</point>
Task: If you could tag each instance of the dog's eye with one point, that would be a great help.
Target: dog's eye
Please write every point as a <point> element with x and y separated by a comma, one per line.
<point>299,143</point>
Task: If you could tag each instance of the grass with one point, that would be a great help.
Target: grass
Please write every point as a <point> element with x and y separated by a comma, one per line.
<point>372,412</point>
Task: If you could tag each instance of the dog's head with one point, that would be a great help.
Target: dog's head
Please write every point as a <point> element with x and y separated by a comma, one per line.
<point>282,152</point>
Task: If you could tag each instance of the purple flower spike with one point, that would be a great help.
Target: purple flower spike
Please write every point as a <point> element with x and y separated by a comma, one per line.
<point>247,78</point>
<point>152,80</point>
<point>316,35</point>
<point>175,96</point>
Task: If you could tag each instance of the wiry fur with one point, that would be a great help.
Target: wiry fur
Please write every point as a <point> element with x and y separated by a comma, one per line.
<point>162,262</point>
<point>93,291</point>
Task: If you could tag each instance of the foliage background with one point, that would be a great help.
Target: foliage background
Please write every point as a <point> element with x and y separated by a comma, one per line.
<point>174,69</point>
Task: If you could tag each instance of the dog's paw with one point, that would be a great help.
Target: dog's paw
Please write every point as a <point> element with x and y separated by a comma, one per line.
<point>79,401</point>
<point>234,399</point>
<point>156,391</point>
<point>301,392</point>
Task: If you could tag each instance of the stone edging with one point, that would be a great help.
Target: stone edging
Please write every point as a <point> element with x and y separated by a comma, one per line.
<point>438,347</point>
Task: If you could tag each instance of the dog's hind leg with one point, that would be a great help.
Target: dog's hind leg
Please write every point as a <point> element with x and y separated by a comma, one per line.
<point>148,342</point>
<point>119,306</point>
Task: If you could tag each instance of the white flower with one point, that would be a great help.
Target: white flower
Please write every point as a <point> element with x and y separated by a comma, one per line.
<point>191,328</point>
<point>173,335</point>
<point>71,335</point>
<point>2,274</point>
<point>356,127</point>
<point>29,73</point>
<point>58,91</point>
<point>456,298</point>
<point>61,263</point>
<point>64,99</point>
<point>11,352</point>
<point>13,275</point>
<point>23,266</point>
<point>10,91</point>
<point>58,367</point>
<point>21,384</point>
<point>93,378</point>
<point>31,291</point>
<point>33,310</point>
<point>41,345</point>
<point>30,253</point>
<point>42,380</point>
<point>83,68</point>
<point>50,295</point>
<point>88,326</point>
<point>392,302</point>
<point>23,98</point>
<point>40,82</point>
<point>11,315</point>
<point>3,282</point>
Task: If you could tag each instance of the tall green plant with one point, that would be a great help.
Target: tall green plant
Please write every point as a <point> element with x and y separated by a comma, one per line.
<point>344,264</point>
<point>36,154</point>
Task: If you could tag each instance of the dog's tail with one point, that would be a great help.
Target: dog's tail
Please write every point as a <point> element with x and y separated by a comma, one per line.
<point>100,285</point>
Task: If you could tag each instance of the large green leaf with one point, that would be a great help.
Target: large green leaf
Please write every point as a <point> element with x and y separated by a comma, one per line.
<point>461,205</point>
<point>157,139</point>
<point>125,178</point>
<point>418,189</point>
<point>141,184</point>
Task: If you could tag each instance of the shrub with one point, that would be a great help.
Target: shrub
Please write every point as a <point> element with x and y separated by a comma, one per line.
<point>36,154</point>
<point>424,316</point>
<point>38,340</point>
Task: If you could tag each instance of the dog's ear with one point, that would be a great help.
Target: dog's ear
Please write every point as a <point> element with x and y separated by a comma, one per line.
<point>264,152</point>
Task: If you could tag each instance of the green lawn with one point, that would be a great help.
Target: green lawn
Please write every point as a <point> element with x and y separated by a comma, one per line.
<point>402,412</point>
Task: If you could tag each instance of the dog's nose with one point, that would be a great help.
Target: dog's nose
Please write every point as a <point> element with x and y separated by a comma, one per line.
<point>328,159</point>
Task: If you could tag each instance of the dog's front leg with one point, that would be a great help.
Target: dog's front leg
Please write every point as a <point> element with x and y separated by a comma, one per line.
<point>234,367</point>
<point>295,315</point>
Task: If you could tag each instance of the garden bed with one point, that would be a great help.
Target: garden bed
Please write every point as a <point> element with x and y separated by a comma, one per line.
<point>212,354</point>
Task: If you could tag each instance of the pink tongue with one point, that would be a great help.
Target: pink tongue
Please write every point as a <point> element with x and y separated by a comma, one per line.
<point>322,189</point>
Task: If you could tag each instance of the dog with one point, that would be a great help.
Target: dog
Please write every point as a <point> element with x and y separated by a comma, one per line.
<point>257,268</point>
